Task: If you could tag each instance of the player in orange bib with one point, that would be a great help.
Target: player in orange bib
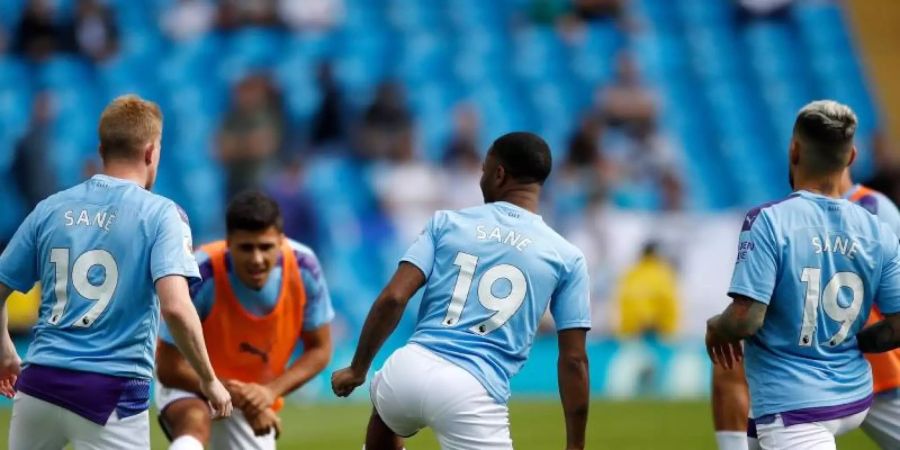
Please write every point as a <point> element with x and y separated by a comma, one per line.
<point>730,395</point>
<point>262,294</point>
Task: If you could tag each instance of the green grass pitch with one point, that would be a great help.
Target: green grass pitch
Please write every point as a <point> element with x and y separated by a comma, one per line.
<point>536,425</point>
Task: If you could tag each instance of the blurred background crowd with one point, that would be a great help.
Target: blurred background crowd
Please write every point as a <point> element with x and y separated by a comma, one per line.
<point>362,117</point>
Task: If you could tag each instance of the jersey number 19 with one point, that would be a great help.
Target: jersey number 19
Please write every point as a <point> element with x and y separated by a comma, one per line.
<point>504,307</point>
<point>846,316</point>
<point>101,293</point>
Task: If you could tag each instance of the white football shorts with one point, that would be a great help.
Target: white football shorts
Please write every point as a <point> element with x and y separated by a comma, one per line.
<point>806,436</point>
<point>39,425</point>
<point>417,388</point>
<point>233,432</point>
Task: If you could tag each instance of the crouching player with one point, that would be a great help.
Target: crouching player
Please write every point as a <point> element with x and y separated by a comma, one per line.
<point>262,293</point>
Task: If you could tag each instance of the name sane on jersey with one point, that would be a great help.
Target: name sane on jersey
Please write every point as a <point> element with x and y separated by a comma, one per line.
<point>101,219</point>
<point>508,237</point>
<point>835,244</point>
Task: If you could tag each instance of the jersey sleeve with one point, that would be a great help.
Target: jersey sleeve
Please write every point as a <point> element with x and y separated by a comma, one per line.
<point>756,267</point>
<point>888,296</point>
<point>19,262</point>
<point>570,304</point>
<point>421,253</point>
<point>172,252</point>
<point>318,310</point>
<point>202,295</point>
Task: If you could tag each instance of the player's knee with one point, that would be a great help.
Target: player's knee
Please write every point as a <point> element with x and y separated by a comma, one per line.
<point>189,417</point>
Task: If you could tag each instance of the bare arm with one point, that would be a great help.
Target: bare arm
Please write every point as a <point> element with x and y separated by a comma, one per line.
<point>740,320</point>
<point>184,324</point>
<point>574,385</point>
<point>316,355</point>
<point>724,332</point>
<point>181,317</point>
<point>174,371</point>
<point>882,336</point>
<point>386,313</point>
<point>5,292</point>
<point>380,323</point>
<point>10,364</point>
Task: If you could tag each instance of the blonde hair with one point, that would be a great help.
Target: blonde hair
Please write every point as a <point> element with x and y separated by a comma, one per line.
<point>127,124</point>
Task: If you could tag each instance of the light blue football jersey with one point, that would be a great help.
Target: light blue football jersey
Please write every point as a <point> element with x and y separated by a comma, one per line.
<point>819,264</point>
<point>98,249</point>
<point>492,271</point>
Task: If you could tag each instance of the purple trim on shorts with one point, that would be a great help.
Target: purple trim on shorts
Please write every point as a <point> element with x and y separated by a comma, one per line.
<point>93,396</point>
<point>818,414</point>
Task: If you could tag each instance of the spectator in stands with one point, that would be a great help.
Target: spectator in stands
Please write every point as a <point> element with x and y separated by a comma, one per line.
<point>288,189</point>
<point>96,32</point>
<point>38,35</point>
<point>387,130</point>
<point>647,297</point>
<point>462,160</point>
<point>409,189</point>
<point>311,14</point>
<point>626,102</point>
<point>187,19</point>
<point>31,168</point>
<point>251,134</point>
<point>645,166</point>
<point>644,162</point>
<point>328,123</point>
<point>238,13</point>
<point>886,178</point>
<point>583,177</point>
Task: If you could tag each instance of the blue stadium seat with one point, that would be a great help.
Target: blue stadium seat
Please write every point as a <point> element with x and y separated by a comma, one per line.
<point>250,50</point>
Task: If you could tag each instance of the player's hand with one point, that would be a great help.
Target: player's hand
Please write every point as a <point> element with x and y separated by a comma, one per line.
<point>218,397</point>
<point>10,366</point>
<point>344,381</point>
<point>264,422</point>
<point>722,352</point>
<point>255,398</point>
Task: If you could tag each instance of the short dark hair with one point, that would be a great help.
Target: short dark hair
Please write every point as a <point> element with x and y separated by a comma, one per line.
<point>827,128</point>
<point>525,156</point>
<point>253,211</point>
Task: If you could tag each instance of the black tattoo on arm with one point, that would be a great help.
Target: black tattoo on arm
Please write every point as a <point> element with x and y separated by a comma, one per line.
<point>742,319</point>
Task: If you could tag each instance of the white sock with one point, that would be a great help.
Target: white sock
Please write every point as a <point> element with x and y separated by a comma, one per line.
<point>731,440</point>
<point>186,442</point>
